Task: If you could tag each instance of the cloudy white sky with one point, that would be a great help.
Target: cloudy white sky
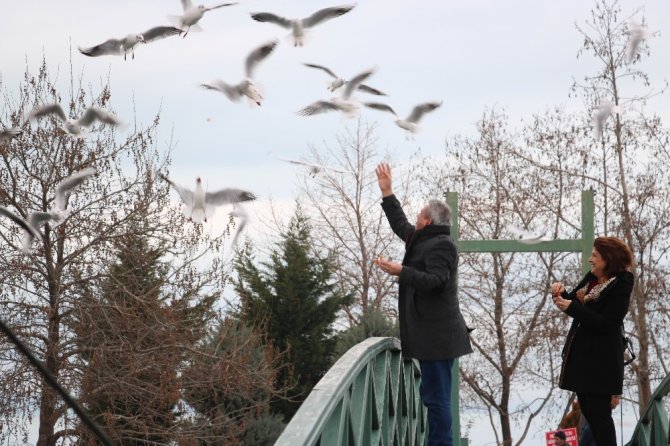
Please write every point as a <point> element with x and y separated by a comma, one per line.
<point>515,54</point>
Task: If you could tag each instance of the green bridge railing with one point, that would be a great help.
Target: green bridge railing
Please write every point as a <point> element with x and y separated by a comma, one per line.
<point>652,429</point>
<point>369,397</point>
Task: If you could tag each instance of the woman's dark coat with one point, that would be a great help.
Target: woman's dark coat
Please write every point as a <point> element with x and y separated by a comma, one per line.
<point>593,351</point>
<point>431,324</point>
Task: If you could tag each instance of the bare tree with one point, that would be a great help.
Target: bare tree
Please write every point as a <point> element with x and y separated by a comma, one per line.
<point>41,292</point>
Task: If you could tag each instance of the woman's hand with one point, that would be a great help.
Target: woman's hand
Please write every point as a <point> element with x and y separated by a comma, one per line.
<point>561,303</point>
<point>557,288</point>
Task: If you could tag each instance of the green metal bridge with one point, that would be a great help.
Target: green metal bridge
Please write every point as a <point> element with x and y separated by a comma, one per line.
<point>371,395</point>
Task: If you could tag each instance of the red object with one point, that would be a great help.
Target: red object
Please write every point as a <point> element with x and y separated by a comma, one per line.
<point>570,437</point>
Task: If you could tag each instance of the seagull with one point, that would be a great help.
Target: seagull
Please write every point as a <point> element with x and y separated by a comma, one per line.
<point>410,124</point>
<point>75,127</point>
<point>116,47</point>
<point>240,212</point>
<point>200,204</point>
<point>343,103</point>
<point>66,187</point>
<point>246,87</point>
<point>338,82</point>
<point>192,15</point>
<point>314,169</point>
<point>527,237</point>
<point>35,220</point>
<point>7,135</point>
<point>637,33</point>
<point>29,231</point>
<point>604,111</point>
<point>298,27</point>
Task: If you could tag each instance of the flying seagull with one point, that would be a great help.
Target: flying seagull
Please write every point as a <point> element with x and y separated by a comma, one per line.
<point>343,103</point>
<point>247,87</point>
<point>35,220</point>
<point>526,237</point>
<point>410,123</point>
<point>637,33</point>
<point>29,231</point>
<point>116,47</point>
<point>75,127</point>
<point>314,169</point>
<point>241,213</point>
<point>200,205</point>
<point>339,81</point>
<point>604,111</point>
<point>67,186</point>
<point>192,15</point>
<point>7,135</point>
<point>299,27</point>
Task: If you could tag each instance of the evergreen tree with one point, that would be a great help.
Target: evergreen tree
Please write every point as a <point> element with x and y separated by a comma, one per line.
<point>294,299</point>
<point>371,324</point>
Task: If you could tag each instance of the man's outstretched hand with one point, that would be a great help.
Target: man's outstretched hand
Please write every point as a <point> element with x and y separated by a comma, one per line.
<point>384,179</point>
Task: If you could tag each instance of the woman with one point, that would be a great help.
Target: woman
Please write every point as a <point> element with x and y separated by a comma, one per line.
<point>593,351</point>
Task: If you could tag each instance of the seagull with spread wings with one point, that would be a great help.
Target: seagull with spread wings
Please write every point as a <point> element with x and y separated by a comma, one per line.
<point>75,127</point>
<point>339,81</point>
<point>192,14</point>
<point>299,27</point>
<point>345,104</point>
<point>526,237</point>
<point>604,110</point>
<point>66,187</point>
<point>29,230</point>
<point>638,33</point>
<point>200,205</point>
<point>116,47</point>
<point>313,168</point>
<point>410,123</point>
<point>247,87</point>
<point>7,135</point>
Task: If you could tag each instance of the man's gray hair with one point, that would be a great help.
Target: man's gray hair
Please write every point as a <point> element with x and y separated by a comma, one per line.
<point>439,212</point>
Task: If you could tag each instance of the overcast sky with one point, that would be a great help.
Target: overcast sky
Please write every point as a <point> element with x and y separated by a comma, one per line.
<point>514,54</point>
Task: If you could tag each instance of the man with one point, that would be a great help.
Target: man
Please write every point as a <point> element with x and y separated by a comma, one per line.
<point>559,439</point>
<point>432,328</point>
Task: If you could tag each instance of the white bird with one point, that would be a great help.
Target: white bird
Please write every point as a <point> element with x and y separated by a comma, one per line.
<point>247,87</point>
<point>604,111</point>
<point>67,186</point>
<point>348,106</point>
<point>241,213</point>
<point>116,47</point>
<point>29,231</point>
<point>637,33</point>
<point>314,169</point>
<point>75,127</point>
<point>7,135</point>
<point>339,81</point>
<point>527,237</point>
<point>36,220</point>
<point>299,27</point>
<point>200,205</point>
<point>192,15</point>
<point>410,123</point>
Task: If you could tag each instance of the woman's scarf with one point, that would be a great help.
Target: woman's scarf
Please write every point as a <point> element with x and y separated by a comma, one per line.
<point>584,295</point>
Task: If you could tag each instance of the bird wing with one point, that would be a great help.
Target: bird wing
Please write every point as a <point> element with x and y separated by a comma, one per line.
<point>185,194</point>
<point>369,89</point>
<point>66,186</point>
<point>221,6</point>
<point>186,4</point>
<point>228,196</point>
<point>318,107</point>
<point>257,55</point>
<point>355,81</point>
<point>110,47</point>
<point>56,109</point>
<point>19,221</point>
<point>326,14</point>
<point>421,109</point>
<point>524,236</point>
<point>37,219</point>
<point>230,91</point>
<point>272,18</point>
<point>381,107</point>
<point>93,113</point>
<point>7,135</point>
<point>320,67</point>
<point>160,32</point>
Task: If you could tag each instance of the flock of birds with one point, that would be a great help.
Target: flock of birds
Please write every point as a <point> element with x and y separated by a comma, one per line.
<point>199,205</point>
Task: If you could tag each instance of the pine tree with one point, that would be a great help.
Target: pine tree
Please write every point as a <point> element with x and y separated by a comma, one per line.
<point>294,299</point>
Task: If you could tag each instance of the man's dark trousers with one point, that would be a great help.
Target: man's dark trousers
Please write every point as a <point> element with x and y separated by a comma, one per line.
<point>435,392</point>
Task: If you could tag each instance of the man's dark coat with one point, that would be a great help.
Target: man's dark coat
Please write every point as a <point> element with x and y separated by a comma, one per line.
<point>431,324</point>
<point>593,351</point>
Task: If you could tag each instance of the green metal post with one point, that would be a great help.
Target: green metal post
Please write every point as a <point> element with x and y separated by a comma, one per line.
<point>588,228</point>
